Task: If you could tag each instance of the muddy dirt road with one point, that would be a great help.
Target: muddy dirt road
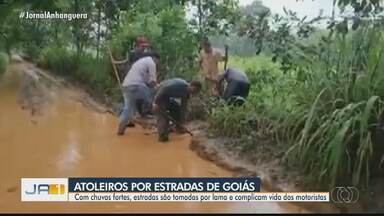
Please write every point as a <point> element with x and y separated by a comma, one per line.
<point>50,129</point>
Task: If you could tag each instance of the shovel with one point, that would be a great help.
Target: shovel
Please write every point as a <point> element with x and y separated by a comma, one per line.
<point>165,114</point>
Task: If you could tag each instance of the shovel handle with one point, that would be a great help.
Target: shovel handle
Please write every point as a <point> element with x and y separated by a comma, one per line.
<point>114,66</point>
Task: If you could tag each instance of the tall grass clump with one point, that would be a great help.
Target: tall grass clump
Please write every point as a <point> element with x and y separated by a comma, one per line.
<point>335,128</point>
<point>326,112</point>
<point>268,102</point>
<point>231,121</point>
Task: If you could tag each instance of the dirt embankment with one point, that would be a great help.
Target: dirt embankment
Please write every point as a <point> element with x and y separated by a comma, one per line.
<point>38,88</point>
<point>264,159</point>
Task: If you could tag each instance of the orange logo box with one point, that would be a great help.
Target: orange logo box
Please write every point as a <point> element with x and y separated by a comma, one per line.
<point>56,189</point>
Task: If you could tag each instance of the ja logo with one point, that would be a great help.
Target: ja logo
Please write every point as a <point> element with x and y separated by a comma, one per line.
<point>345,195</point>
<point>44,189</point>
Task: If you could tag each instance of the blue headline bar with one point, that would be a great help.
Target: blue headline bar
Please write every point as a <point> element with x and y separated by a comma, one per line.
<point>242,184</point>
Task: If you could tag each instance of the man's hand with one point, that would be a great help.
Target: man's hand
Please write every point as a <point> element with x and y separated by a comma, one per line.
<point>155,107</point>
<point>156,87</point>
<point>211,79</point>
<point>120,62</point>
<point>181,130</point>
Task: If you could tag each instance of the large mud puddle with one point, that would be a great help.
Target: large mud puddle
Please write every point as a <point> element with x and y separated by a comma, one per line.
<point>51,130</point>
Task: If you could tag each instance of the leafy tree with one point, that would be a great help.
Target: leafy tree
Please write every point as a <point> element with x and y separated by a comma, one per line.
<point>255,23</point>
<point>213,17</point>
<point>81,28</point>
<point>169,34</point>
<point>363,8</point>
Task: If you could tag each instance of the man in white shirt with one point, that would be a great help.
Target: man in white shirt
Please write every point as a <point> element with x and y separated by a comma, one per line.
<point>137,86</point>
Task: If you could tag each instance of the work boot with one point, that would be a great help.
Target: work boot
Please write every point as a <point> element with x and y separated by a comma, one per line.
<point>172,128</point>
<point>180,130</point>
<point>163,138</point>
<point>121,130</point>
<point>131,124</point>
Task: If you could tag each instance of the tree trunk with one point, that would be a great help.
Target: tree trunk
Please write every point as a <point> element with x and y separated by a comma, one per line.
<point>56,29</point>
<point>200,17</point>
<point>98,29</point>
<point>76,29</point>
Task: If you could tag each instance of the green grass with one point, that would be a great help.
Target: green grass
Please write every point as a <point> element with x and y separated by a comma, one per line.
<point>326,112</point>
<point>94,73</point>
<point>268,102</point>
<point>3,62</point>
<point>253,63</point>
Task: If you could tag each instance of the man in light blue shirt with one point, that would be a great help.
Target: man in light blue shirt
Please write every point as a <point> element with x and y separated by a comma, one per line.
<point>136,87</point>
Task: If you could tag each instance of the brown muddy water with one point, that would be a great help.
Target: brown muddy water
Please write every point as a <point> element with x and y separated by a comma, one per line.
<point>49,129</point>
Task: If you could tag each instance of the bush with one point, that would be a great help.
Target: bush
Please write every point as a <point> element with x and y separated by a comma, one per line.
<point>170,36</point>
<point>31,51</point>
<point>86,69</point>
<point>3,62</point>
<point>96,74</point>
<point>58,59</point>
<point>231,121</point>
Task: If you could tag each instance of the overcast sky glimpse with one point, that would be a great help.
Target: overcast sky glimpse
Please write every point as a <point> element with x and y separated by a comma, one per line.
<point>308,8</point>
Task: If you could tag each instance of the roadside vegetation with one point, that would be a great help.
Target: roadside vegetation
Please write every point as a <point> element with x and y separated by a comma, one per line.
<point>317,84</point>
<point>327,112</point>
<point>3,62</point>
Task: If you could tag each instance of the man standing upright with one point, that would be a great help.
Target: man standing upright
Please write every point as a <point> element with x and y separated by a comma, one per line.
<point>209,64</point>
<point>137,86</point>
<point>140,50</point>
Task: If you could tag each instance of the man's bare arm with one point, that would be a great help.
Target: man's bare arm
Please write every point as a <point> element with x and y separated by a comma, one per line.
<point>120,62</point>
<point>210,79</point>
<point>200,63</point>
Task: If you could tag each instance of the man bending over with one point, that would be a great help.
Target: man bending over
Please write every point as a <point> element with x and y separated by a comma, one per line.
<point>165,103</point>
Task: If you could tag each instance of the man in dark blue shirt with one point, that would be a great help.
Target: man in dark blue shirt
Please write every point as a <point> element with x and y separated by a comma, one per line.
<point>165,103</point>
<point>237,88</point>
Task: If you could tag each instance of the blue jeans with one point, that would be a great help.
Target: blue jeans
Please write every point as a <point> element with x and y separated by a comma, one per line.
<point>132,95</point>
